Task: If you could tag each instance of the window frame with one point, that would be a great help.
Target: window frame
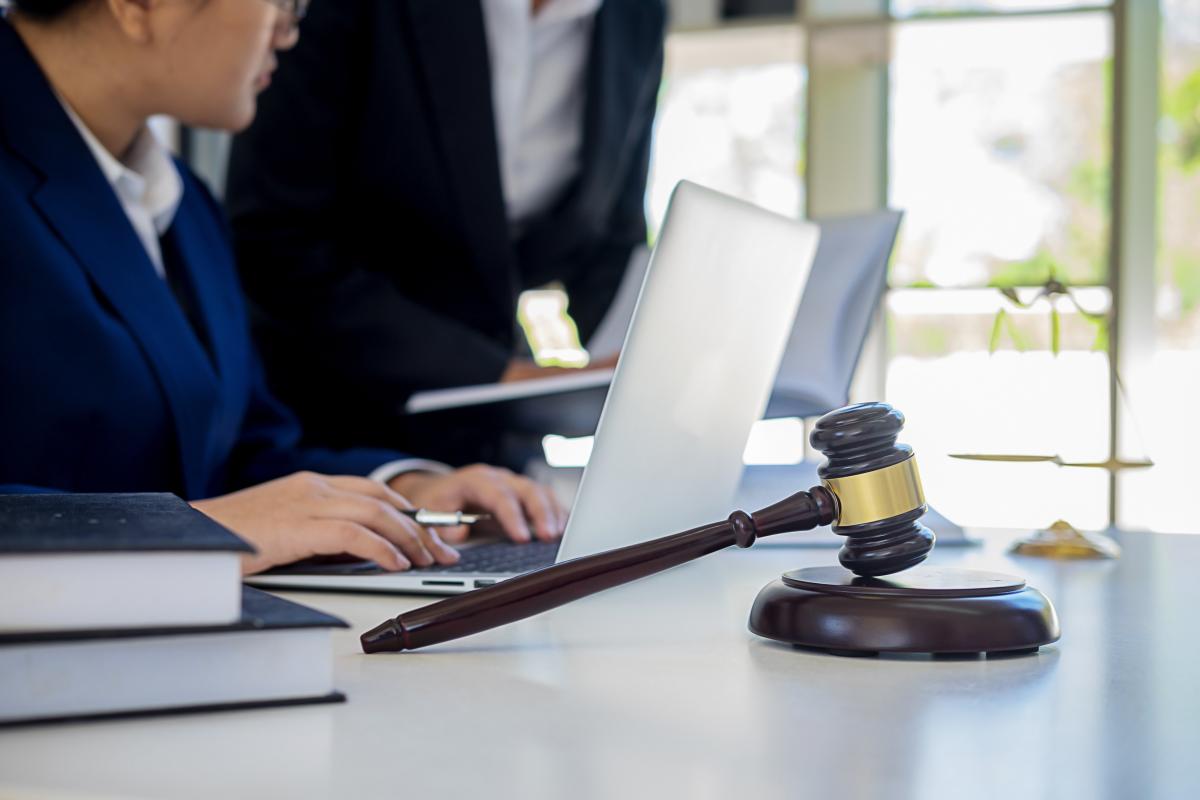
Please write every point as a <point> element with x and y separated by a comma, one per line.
<point>849,174</point>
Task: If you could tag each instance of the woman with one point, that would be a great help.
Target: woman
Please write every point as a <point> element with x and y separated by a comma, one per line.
<point>126,360</point>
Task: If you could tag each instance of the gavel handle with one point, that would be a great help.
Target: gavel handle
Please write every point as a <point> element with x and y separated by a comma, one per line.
<point>535,592</point>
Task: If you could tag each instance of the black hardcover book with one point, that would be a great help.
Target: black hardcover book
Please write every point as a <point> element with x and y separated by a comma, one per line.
<point>105,523</point>
<point>277,653</point>
<point>77,561</point>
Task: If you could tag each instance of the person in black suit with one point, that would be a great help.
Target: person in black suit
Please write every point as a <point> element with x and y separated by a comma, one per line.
<point>125,352</point>
<point>414,167</point>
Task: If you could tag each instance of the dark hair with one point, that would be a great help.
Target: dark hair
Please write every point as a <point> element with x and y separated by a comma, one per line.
<point>44,9</point>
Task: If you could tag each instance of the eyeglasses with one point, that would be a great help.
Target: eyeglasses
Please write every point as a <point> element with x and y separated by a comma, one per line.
<point>296,8</point>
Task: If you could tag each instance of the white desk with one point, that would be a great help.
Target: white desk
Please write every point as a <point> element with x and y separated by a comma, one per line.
<point>657,689</point>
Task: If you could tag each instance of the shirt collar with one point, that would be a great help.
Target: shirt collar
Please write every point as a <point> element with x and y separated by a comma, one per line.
<point>148,176</point>
<point>564,10</point>
<point>554,12</point>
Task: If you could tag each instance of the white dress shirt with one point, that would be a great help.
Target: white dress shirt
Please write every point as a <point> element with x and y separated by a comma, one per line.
<point>147,184</point>
<point>539,86</point>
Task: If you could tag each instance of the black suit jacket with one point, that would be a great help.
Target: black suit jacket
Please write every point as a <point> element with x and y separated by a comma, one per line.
<point>368,213</point>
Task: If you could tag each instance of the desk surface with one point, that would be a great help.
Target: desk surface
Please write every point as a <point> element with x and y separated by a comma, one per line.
<point>658,689</point>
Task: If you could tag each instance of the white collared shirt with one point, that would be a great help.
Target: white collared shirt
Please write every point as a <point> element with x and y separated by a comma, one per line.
<point>147,184</point>
<point>539,87</point>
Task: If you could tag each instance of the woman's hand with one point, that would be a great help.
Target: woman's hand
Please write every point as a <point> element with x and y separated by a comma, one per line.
<point>513,500</point>
<point>305,514</point>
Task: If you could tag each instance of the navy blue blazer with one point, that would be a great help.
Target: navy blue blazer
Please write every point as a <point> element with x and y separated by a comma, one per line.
<point>104,385</point>
<point>368,213</point>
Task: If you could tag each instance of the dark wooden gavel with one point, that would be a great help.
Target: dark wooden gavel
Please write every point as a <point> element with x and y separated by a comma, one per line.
<point>870,490</point>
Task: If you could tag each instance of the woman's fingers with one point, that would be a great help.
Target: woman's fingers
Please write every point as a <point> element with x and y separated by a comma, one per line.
<point>335,536</point>
<point>432,541</point>
<point>427,541</point>
<point>540,506</point>
<point>357,485</point>
<point>514,501</point>
<point>421,546</point>
<point>454,535</point>
<point>305,514</point>
<point>510,495</point>
<point>494,496</point>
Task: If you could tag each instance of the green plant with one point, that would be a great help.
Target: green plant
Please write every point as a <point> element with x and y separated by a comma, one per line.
<point>1050,289</point>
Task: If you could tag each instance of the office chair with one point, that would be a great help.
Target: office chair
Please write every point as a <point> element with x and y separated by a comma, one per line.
<point>844,289</point>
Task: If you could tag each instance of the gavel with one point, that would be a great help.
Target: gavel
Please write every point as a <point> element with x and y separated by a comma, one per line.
<point>870,492</point>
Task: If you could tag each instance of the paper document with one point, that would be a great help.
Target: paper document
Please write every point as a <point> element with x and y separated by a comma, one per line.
<point>606,342</point>
<point>479,394</point>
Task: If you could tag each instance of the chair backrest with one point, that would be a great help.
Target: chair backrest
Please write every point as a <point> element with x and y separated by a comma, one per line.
<point>844,290</point>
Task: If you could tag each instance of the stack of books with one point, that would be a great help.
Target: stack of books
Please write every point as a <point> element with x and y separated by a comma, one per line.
<point>118,604</point>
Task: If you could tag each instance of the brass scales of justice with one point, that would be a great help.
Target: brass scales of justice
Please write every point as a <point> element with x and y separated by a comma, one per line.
<point>1061,539</point>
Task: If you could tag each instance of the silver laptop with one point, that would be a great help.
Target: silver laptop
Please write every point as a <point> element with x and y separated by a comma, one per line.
<point>701,355</point>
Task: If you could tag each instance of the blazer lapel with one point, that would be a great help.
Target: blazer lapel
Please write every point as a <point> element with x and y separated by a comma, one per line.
<point>451,48</point>
<point>206,256</point>
<point>80,206</point>
<point>99,235</point>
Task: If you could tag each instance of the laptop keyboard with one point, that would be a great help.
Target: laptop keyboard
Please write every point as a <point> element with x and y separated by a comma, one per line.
<point>501,558</point>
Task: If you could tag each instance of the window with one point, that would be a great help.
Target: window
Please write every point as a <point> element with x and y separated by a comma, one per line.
<point>729,117</point>
<point>996,125</point>
<point>1001,164</point>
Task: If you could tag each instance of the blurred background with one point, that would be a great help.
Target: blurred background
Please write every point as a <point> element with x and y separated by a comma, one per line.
<point>1034,145</point>
<point>998,126</point>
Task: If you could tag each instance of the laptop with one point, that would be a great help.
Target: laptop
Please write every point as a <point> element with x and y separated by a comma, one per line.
<point>700,357</point>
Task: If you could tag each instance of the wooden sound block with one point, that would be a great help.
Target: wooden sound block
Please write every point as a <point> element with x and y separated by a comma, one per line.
<point>923,610</point>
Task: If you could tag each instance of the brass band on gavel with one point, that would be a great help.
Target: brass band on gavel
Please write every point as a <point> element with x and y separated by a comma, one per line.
<point>877,495</point>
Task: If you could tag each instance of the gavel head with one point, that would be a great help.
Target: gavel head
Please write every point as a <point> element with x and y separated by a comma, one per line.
<point>877,489</point>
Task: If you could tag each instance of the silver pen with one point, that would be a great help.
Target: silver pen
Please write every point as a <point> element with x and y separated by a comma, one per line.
<point>424,516</point>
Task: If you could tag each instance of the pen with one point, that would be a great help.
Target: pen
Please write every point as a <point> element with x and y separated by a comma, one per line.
<point>424,516</point>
